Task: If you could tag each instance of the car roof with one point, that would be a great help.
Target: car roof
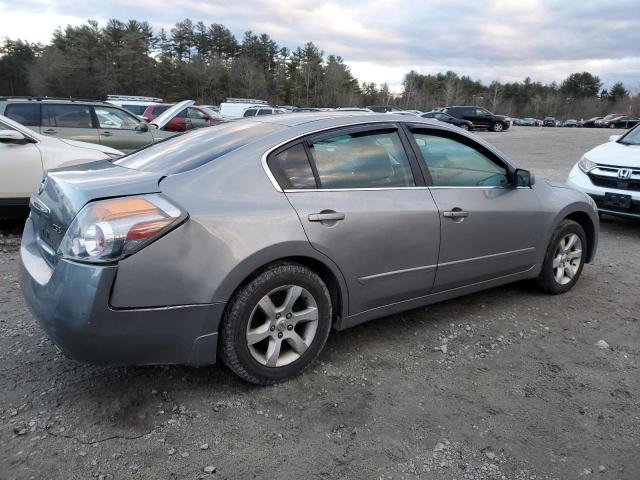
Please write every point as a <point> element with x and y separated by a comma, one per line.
<point>51,100</point>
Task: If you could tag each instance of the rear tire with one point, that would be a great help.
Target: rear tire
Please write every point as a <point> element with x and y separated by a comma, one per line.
<point>564,259</point>
<point>276,325</point>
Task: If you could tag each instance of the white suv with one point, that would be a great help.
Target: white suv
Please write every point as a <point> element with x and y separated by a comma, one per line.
<point>610,174</point>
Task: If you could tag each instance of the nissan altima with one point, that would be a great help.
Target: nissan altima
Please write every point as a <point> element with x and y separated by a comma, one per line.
<point>253,240</point>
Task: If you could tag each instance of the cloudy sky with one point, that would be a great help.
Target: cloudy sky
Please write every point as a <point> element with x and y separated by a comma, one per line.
<point>381,40</point>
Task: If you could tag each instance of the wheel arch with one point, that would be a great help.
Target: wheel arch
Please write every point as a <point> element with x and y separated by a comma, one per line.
<point>318,263</point>
<point>583,219</point>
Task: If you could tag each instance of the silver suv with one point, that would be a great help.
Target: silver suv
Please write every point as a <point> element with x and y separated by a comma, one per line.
<point>82,120</point>
<point>252,240</point>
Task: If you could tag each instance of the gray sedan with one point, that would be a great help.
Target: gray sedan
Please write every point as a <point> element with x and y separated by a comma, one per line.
<point>251,241</point>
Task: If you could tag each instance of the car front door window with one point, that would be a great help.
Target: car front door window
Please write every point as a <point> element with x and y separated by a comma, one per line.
<point>454,164</point>
<point>115,119</point>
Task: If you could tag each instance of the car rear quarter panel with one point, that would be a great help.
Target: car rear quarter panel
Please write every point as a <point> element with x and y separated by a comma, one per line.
<point>237,224</point>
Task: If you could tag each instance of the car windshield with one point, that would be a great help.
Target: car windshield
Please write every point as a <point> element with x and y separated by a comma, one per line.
<point>191,150</point>
<point>632,137</point>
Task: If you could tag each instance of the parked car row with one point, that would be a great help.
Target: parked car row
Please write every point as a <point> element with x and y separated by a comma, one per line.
<point>614,120</point>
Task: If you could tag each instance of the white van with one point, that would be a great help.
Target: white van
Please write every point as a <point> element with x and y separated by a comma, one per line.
<point>246,107</point>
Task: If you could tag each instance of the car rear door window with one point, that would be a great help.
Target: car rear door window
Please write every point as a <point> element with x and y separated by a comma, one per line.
<point>66,115</point>
<point>250,112</point>
<point>27,114</point>
<point>370,159</point>
<point>292,169</point>
<point>452,163</point>
<point>264,111</point>
<point>115,119</point>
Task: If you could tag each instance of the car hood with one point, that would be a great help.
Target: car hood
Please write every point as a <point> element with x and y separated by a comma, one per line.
<point>90,146</point>
<point>615,154</point>
<point>165,117</point>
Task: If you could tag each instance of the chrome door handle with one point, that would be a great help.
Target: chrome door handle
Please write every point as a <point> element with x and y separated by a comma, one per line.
<point>50,131</point>
<point>455,214</point>
<point>106,134</point>
<point>326,217</point>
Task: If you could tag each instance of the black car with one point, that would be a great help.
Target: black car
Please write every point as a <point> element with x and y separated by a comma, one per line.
<point>445,117</point>
<point>624,121</point>
<point>550,122</point>
<point>591,123</point>
<point>480,117</point>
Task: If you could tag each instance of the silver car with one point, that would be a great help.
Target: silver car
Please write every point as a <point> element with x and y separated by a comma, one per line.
<point>253,240</point>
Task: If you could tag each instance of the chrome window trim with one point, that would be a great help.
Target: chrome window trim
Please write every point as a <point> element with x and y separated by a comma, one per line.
<point>412,122</point>
<point>273,180</point>
<point>423,187</point>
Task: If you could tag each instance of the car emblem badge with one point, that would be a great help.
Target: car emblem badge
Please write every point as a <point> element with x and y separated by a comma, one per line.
<point>43,184</point>
<point>624,173</point>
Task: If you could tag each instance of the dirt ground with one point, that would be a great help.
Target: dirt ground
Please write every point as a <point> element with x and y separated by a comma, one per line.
<point>504,384</point>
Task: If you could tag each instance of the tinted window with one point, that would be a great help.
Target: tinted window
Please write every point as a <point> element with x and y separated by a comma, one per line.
<point>27,114</point>
<point>250,112</point>
<point>193,149</point>
<point>135,109</point>
<point>264,111</point>
<point>160,109</point>
<point>114,118</point>
<point>292,169</point>
<point>454,164</point>
<point>362,160</point>
<point>196,114</point>
<point>66,115</point>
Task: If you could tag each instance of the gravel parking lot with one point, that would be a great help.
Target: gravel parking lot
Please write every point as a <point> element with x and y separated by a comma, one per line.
<point>504,384</point>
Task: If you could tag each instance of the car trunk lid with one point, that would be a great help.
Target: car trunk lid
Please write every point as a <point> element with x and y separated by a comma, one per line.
<point>63,192</point>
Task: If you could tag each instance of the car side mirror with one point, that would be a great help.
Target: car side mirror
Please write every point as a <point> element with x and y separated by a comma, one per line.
<point>614,138</point>
<point>12,136</point>
<point>524,178</point>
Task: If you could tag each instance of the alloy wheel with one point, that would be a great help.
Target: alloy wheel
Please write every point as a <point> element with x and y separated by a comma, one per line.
<point>282,326</point>
<point>567,259</point>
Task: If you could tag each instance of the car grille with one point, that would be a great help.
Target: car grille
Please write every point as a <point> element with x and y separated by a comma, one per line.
<point>610,177</point>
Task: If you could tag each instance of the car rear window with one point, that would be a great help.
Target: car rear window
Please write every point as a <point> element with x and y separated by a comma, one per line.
<point>191,150</point>
<point>27,114</point>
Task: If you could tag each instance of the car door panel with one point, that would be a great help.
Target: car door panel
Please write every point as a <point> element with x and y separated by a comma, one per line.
<point>118,129</point>
<point>69,120</point>
<point>20,170</point>
<point>489,228</point>
<point>386,245</point>
<point>497,238</point>
<point>355,193</point>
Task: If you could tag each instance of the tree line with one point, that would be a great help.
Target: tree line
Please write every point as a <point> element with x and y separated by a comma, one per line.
<point>208,63</point>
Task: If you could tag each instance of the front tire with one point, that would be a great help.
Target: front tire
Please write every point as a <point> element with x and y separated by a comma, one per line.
<point>276,325</point>
<point>564,258</point>
<point>464,126</point>
<point>497,127</point>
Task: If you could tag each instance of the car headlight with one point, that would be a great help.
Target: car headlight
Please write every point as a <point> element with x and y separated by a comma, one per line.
<point>586,165</point>
<point>108,230</point>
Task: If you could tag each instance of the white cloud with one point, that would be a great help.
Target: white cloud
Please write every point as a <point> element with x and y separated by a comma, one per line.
<point>382,40</point>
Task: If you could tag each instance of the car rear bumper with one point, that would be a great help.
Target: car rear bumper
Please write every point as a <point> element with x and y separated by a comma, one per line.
<point>581,181</point>
<point>71,303</point>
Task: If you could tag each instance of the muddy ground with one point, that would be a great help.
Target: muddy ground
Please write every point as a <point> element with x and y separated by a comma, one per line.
<point>522,392</point>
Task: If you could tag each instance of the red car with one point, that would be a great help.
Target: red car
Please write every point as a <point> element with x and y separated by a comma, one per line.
<point>188,119</point>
